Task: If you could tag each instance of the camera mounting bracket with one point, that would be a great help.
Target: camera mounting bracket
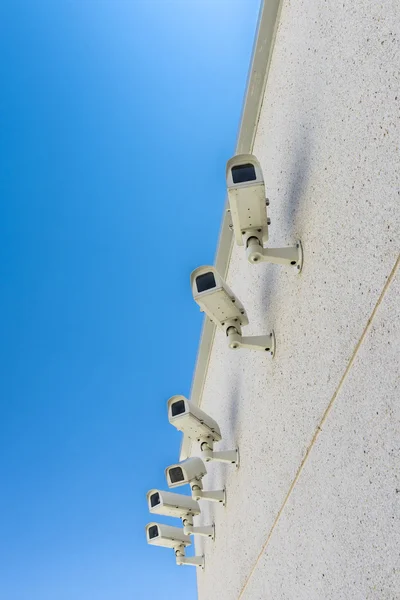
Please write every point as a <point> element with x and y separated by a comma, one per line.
<point>189,529</point>
<point>265,343</point>
<point>182,559</point>
<point>291,255</point>
<point>225,456</point>
<point>198,493</point>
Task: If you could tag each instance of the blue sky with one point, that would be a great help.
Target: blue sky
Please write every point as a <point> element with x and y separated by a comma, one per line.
<point>117,118</point>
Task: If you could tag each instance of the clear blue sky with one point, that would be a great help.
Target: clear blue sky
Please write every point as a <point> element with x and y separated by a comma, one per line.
<point>117,118</point>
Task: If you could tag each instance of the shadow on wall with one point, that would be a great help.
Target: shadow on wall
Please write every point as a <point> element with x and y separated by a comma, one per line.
<point>235,398</point>
<point>295,205</point>
<point>295,195</point>
<point>298,181</point>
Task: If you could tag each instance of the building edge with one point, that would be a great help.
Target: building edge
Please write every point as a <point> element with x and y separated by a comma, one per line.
<point>267,26</point>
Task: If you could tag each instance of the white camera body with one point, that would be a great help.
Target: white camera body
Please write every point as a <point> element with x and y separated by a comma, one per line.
<point>215,298</point>
<point>193,422</point>
<point>191,471</point>
<point>167,536</point>
<point>172,505</point>
<point>222,307</point>
<point>248,208</point>
<point>172,537</point>
<point>246,194</point>
<point>199,426</point>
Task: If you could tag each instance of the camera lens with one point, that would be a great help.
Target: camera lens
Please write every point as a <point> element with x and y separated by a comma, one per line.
<point>153,532</point>
<point>205,282</point>
<point>243,173</point>
<point>155,499</point>
<point>178,408</point>
<point>176,475</point>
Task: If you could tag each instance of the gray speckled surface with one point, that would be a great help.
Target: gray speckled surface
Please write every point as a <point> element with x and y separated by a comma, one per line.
<point>339,535</point>
<point>328,141</point>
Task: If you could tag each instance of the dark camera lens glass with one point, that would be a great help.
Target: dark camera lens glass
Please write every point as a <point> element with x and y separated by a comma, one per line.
<point>155,499</point>
<point>176,475</point>
<point>205,282</point>
<point>178,408</point>
<point>243,173</point>
<point>153,532</point>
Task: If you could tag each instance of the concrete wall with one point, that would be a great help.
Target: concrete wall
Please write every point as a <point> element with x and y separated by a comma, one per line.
<point>313,512</point>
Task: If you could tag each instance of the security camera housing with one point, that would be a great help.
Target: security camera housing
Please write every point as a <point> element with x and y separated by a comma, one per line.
<point>172,537</point>
<point>166,536</point>
<point>199,426</point>
<point>171,505</point>
<point>193,422</point>
<point>248,209</point>
<point>215,298</point>
<point>224,309</point>
<point>246,194</point>
<point>191,471</point>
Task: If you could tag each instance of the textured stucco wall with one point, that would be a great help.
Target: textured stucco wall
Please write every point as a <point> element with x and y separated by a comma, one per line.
<point>313,512</point>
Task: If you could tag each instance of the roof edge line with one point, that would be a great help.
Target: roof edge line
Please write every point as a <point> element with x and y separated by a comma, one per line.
<point>267,26</point>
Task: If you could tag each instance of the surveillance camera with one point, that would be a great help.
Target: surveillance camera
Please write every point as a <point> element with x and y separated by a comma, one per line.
<point>248,209</point>
<point>172,505</point>
<point>192,471</point>
<point>197,425</point>
<point>180,506</point>
<point>220,304</point>
<point>166,536</point>
<point>172,537</point>
<point>192,421</point>
<point>215,298</point>
<point>246,193</point>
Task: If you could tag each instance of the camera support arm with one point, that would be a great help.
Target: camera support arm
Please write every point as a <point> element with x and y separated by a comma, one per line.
<point>291,255</point>
<point>189,529</point>
<point>225,456</point>
<point>181,559</point>
<point>265,343</point>
<point>198,494</point>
